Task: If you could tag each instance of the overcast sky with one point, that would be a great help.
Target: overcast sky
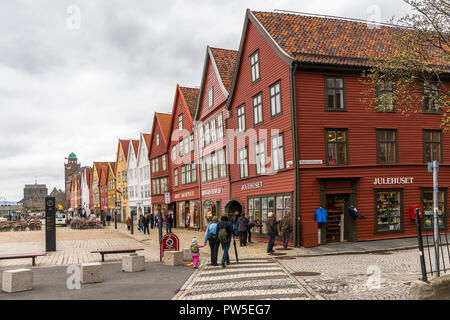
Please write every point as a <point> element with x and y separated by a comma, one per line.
<point>66,89</point>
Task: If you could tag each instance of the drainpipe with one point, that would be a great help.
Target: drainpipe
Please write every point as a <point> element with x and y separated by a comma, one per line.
<point>199,177</point>
<point>297,229</point>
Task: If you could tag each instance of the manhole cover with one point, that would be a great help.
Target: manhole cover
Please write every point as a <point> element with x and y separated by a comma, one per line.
<point>277,254</point>
<point>286,258</point>
<point>305,274</point>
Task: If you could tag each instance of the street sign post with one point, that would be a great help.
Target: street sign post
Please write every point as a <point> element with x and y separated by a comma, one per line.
<point>50,224</point>
<point>434,167</point>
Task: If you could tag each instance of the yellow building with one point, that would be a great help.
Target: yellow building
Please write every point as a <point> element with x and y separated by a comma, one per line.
<point>96,168</point>
<point>121,178</point>
<point>111,186</point>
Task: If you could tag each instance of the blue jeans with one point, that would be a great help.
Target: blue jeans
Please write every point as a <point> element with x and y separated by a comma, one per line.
<point>226,256</point>
<point>271,242</point>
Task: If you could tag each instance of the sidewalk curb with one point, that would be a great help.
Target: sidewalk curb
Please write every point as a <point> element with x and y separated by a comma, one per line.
<point>354,252</point>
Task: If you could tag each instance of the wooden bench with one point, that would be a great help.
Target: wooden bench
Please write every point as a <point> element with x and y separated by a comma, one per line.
<point>110,251</point>
<point>22,256</point>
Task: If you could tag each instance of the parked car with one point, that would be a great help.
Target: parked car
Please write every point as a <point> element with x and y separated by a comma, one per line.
<point>3,219</point>
<point>61,219</point>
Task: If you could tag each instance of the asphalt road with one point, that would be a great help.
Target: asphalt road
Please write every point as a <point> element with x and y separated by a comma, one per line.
<point>157,282</point>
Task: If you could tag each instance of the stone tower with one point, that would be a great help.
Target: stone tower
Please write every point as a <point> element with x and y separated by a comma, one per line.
<point>70,167</point>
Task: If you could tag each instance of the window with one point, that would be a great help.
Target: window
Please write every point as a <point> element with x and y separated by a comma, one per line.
<point>194,172</point>
<point>428,208</point>
<point>385,98</point>
<point>188,174</point>
<point>163,159</point>
<point>335,93</point>
<point>222,164</point>
<point>388,210</point>
<point>191,142</point>
<point>157,139</point>
<point>174,153</point>
<point>214,166</point>
<point>175,177</point>
<point>257,110</point>
<point>219,126</point>
<point>208,168</point>
<point>275,99</point>
<point>243,163</point>
<point>213,129</point>
<point>153,166</point>
<point>202,137</point>
<point>210,97</point>
<point>337,146</point>
<point>259,208</point>
<point>260,157</point>
<point>430,97</point>
<point>387,146</point>
<point>183,175</point>
<point>203,170</point>
<point>180,148</point>
<point>186,145</point>
<point>277,152</point>
<point>157,165</point>
<point>254,66</point>
<point>432,145</point>
<point>180,122</point>
<point>207,137</point>
<point>241,118</point>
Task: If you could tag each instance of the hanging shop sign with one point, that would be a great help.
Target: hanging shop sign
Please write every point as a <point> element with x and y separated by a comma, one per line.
<point>395,180</point>
<point>167,197</point>
<point>253,185</point>
<point>211,191</point>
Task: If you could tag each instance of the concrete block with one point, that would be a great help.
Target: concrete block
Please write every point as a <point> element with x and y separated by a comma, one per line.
<point>91,273</point>
<point>17,280</point>
<point>173,258</point>
<point>133,263</point>
<point>187,254</point>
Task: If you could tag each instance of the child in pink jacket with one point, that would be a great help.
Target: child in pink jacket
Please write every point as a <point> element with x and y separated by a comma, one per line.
<point>195,251</point>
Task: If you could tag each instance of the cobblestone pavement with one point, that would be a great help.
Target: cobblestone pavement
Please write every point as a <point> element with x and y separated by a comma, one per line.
<point>353,277</point>
<point>250,279</point>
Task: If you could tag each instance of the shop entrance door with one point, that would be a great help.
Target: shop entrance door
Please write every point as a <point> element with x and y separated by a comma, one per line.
<point>337,205</point>
<point>187,211</point>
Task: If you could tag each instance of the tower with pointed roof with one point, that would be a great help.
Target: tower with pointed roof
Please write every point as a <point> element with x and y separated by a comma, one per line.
<point>70,167</point>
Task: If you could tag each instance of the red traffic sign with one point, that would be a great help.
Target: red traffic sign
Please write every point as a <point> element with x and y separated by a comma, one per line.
<point>169,242</point>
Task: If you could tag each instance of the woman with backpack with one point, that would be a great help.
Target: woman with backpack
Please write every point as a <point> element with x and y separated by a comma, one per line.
<point>211,236</point>
<point>224,235</point>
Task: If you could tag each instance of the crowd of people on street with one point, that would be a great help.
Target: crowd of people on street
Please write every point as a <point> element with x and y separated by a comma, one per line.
<point>150,221</point>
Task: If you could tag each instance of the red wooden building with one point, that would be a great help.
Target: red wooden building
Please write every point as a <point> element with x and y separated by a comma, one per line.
<point>210,122</point>
<point>159,163</point>
<point>183,187</point>
<point>301,75</point>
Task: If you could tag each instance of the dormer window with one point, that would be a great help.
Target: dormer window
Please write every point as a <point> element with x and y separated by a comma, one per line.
<point>180,122</point>
<point>157,139</point>
<point>210,97</point>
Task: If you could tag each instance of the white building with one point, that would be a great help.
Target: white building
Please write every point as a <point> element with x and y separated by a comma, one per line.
<point>132,178</point>
<point>86,177</point>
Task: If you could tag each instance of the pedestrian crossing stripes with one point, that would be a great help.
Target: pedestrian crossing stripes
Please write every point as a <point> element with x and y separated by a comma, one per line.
<point>255,279</point>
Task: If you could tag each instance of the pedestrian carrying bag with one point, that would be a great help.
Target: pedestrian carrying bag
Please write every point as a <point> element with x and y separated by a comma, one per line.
<point>212,236</point>
<point>194,248</point>
<point>223,235</point>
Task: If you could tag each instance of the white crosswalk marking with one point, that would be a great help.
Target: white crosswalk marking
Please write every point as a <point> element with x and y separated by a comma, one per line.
<point>248,279</point>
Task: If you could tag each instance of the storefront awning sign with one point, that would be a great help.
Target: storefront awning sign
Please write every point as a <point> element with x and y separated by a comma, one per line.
<point>395,180</point>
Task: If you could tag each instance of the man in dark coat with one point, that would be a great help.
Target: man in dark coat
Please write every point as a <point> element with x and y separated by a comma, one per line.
<point>146,221</point>
<point>286,228</point>
<point>272,231</point>
<point>242,226</point>
<point>225,224</point>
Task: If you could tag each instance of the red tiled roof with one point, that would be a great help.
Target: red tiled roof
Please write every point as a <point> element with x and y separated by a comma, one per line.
<point>135,146</point>
<point>147,139</point>
<point>164,120</point>
<point>125,146</point>
<point>327,40</point>
<point>225,62</point>
<point>191,97</point>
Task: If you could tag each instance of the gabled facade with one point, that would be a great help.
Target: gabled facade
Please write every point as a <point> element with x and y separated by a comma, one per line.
<point>211,112</point>
<point>86,190</point>
<point>111,186</point>
<point>103,191</point>
<point>121,178</point>
<point>259,140</point>
<point>144,178</point>
<point>159,163</point>
<point>96,176</point>
<point>132,178</point>
<point>183,168</point>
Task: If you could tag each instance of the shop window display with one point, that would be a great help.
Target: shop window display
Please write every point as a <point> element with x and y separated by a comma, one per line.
<point>389,215</point>
<point>428,205</point>
<point>259,208</point>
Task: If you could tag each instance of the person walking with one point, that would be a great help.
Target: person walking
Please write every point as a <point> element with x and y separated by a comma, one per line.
<point>272,231</point>
<point>128,223</point>
<point>286,227</point>
<point>234,220</point>
<point>146,222</point>
<point>224,234</point>
<point>152,220</point>
<point>168,223</point>
<point>195,251</point>
<point>251,225</point>
<point>211,237</point>
<point>140,223</point>
<point>108,219</point>
<point>242,227</point>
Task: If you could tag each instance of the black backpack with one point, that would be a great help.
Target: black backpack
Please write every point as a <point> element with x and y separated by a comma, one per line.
<point>223,235</point>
